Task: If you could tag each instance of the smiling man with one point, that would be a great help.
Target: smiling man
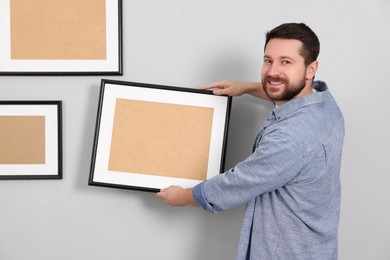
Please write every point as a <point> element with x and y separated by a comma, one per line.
<point>291,181</point>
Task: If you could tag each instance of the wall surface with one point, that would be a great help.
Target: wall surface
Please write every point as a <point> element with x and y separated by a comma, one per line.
<point>188,44</point>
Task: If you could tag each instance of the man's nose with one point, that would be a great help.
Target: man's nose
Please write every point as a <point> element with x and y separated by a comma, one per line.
<point>274,69</point>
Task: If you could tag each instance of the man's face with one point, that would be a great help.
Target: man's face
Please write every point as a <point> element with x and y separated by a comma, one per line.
<point>284,74</point>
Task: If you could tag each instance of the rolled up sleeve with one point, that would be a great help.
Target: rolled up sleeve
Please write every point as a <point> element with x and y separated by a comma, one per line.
<point>198,196</point>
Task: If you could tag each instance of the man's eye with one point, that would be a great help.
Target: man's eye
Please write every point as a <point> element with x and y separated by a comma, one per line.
<point>267,61</point>
<point>285,62</point>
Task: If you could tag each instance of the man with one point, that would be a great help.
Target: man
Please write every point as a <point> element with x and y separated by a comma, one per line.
<point>291,181</point>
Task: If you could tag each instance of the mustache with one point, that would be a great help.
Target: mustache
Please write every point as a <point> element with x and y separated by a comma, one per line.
<point>275,79</point>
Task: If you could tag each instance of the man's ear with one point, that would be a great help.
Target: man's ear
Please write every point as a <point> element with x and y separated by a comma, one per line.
<point>311,70</point>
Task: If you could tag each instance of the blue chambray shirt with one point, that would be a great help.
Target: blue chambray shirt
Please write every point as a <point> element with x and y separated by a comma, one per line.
<point>291,183</point>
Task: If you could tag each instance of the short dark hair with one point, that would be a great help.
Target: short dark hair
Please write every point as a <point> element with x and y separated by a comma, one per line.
<point>301,32</point>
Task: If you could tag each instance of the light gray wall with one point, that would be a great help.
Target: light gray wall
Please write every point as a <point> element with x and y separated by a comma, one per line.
<point>188,44</point>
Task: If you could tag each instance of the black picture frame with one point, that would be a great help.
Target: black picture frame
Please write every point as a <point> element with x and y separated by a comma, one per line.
<point>39,122</point>
<point>134,110</point>
<point>109,63</point>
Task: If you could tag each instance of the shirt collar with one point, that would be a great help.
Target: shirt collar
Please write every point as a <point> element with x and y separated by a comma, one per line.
<point>294,104</point>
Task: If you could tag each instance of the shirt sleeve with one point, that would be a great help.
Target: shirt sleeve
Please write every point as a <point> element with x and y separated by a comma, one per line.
<point>198,195</point>
<point>277,159</point>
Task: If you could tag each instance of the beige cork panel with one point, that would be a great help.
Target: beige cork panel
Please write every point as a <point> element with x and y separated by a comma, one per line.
<point>161,139</point>
<point>22,140</point>
<point>58,29</point>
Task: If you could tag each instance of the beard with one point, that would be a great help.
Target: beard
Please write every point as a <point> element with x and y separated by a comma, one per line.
<point>290,90</point>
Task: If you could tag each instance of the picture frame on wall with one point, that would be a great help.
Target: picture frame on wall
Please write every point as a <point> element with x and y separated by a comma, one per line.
<point>151,136</point>
<point>31,140</point>
<point>73,37</point>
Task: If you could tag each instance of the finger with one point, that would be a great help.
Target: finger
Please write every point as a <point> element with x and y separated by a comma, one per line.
<point>161,193</point>
<point>166,188</point>
<point>217,85</point>
<point>221,91</point>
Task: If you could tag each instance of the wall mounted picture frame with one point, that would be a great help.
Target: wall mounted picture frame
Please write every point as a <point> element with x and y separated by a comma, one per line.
<point>31,140</point>
<point>73,37</point>
<point>151,136</point>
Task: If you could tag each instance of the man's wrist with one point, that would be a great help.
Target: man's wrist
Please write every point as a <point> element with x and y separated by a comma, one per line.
<point>189,198</point>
